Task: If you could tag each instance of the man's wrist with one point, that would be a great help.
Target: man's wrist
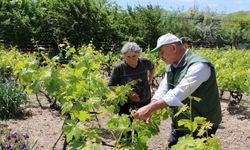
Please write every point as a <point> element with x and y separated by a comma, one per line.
<point>153,100</point>
<point>157,104</point>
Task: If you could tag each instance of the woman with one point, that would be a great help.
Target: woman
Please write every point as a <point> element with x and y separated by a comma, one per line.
<point>186,41</point>
<point>133,68</point>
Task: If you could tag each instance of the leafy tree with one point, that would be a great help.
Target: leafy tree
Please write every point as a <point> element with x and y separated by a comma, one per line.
<point>236,28</point>
<point>81,21</point>
<point>142,24</point>
<point>151,23</point>
<point>22,21</point>
<point>106,25</point>
<point>204,27</point>
<point>15,23</point>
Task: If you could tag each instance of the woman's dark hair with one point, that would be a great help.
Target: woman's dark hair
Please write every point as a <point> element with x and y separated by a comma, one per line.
<point>185,40</point>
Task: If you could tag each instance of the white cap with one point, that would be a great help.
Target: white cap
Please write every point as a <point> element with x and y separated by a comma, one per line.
<point>165,39</point>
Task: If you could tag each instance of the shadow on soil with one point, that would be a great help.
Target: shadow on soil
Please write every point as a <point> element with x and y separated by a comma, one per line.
<point>242,112</point>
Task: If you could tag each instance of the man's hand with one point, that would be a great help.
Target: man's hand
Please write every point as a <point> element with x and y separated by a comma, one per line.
<point>134,97</point>
<point>144,113</point>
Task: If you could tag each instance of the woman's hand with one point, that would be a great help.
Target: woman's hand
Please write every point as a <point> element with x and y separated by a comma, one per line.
<point>150,80</point>
<point>151,76</point>
<point>134,97</point>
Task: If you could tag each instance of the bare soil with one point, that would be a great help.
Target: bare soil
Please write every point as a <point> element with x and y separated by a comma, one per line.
<point>45,127</point>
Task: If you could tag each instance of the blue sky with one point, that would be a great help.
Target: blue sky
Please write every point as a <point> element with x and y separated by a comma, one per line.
<point>222,6</point>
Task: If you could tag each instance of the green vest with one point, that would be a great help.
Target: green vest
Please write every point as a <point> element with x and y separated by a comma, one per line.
<point>209,107</point>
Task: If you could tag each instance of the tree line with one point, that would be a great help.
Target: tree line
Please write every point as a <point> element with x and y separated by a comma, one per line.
<point>106,25</point>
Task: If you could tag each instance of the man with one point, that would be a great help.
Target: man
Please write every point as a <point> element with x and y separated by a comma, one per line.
<point>187,75</point>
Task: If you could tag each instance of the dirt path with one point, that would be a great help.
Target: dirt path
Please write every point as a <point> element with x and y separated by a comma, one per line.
<point>44,126</point>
